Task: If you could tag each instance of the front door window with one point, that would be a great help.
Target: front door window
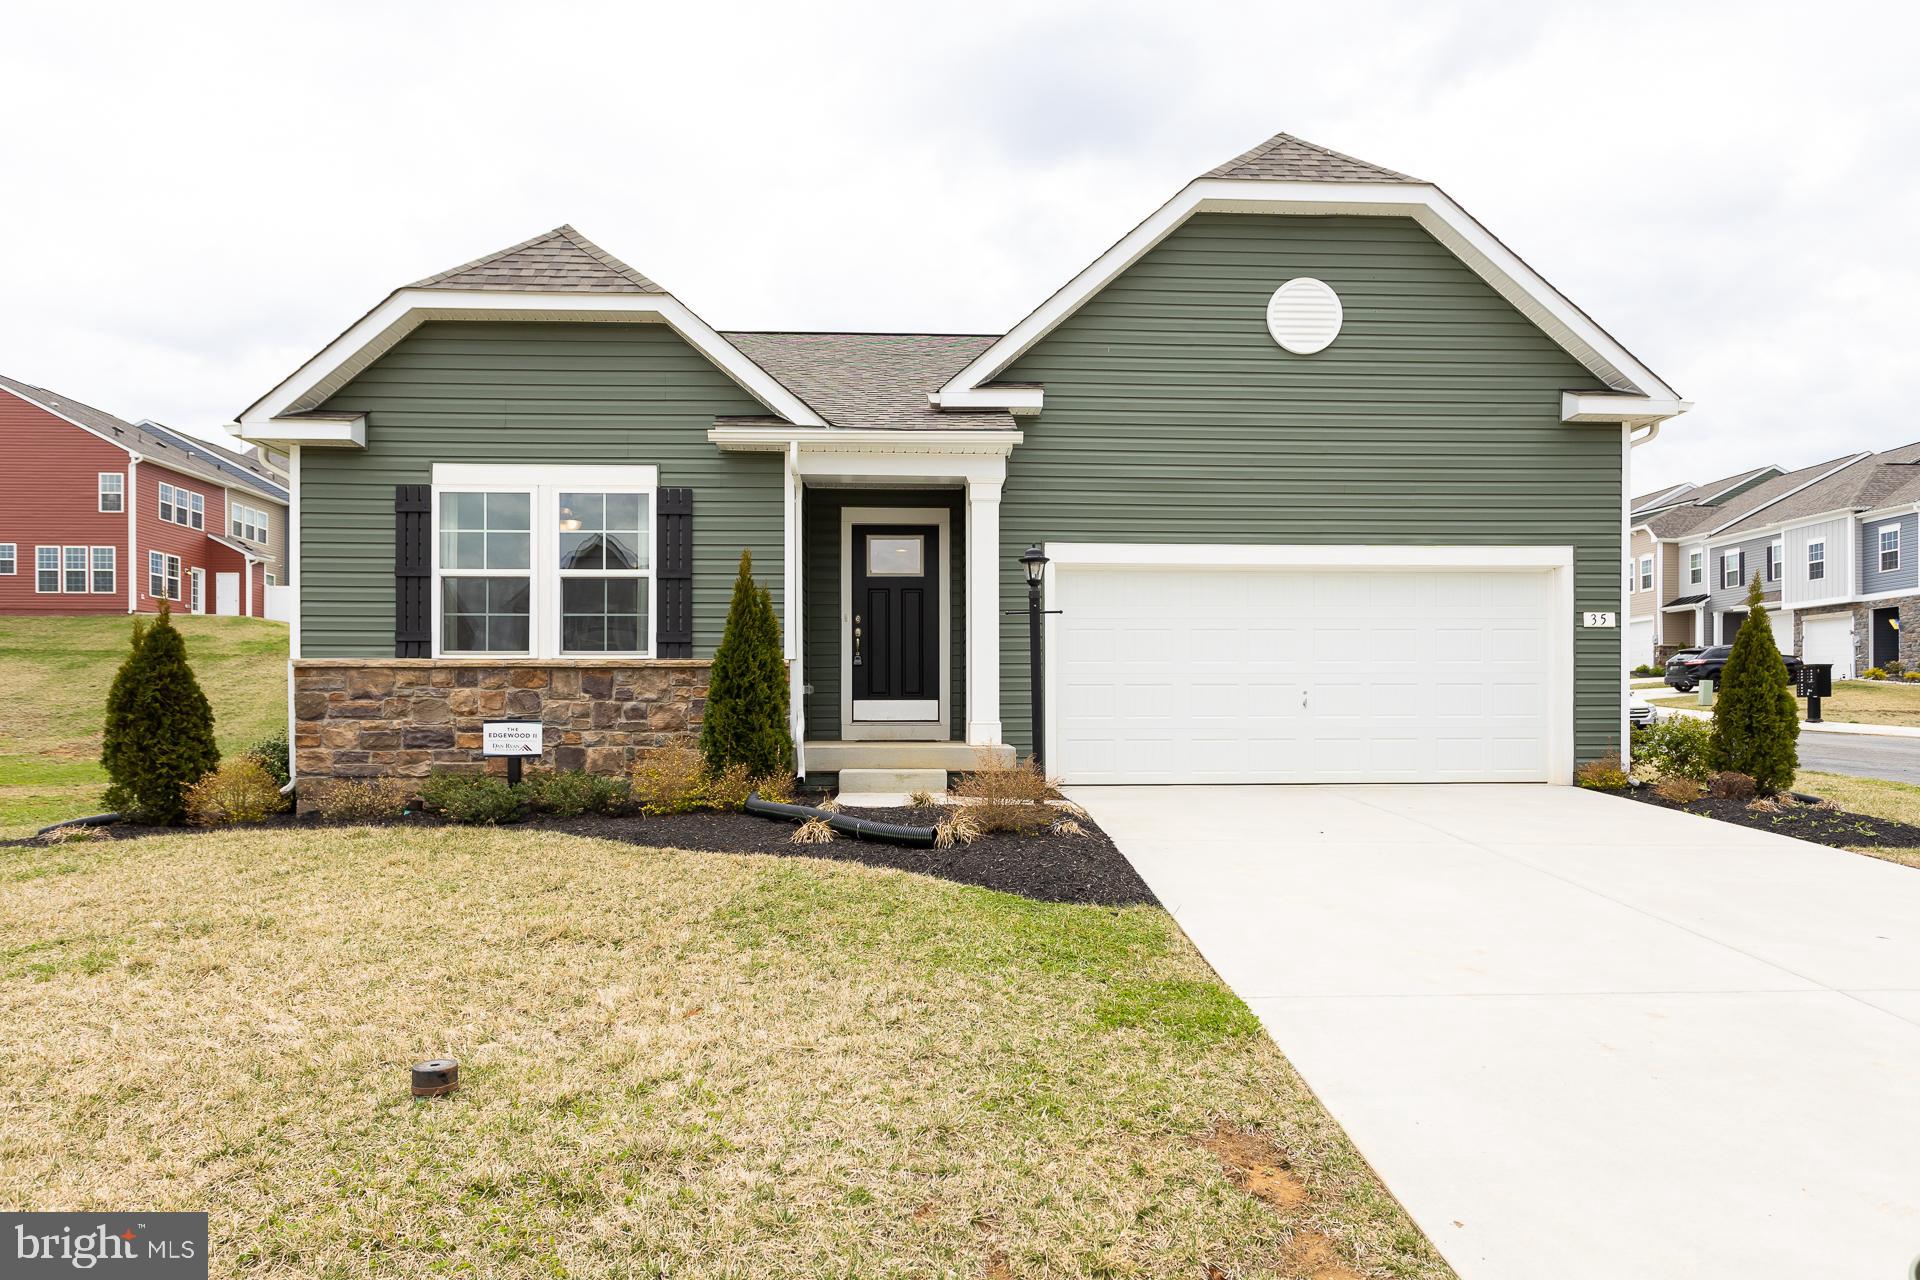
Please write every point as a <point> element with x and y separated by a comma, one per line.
<point>894,633</point>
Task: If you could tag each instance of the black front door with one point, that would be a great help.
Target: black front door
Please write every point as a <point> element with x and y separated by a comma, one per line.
<point>1886,636</point>
<point>895,635</point>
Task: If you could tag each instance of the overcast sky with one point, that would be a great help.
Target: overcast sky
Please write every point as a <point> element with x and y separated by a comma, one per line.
<point>200,196</point>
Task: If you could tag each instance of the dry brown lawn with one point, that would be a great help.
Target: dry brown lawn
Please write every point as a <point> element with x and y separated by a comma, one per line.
<point>1875,797</point>
<point>672,1064</point>
<point>1870,702</point>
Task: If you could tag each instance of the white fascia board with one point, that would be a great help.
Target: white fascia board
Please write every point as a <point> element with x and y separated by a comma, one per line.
<point>404,310</point>
<point>866,440</point>
<point>1239,555</point>
<point>1017,400</point>
<point>1587,406</point>
<point>1426,204</point>
<point>1748,515</point>
<point>341,431</point>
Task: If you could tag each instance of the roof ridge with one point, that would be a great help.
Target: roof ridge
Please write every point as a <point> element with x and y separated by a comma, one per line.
<point>853,333</point>
<point>1280,141</point>
<point>605,259</point>
<point>565,232</point>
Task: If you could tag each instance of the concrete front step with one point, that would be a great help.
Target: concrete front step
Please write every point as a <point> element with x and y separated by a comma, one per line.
<point>837,757</point>
<point>891,782</point>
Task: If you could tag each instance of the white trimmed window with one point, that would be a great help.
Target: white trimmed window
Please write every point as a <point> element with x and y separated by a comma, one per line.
<point>1646,573</point>
<point>249,523</point>
<point>113,491</point>
<point>198,506</point>
<point>74,578</point>
<point>1732,569</point>
<point>9,559</point>
<point>1889,547</point>
<point>1776,557</point>
<point>46,570</point>
<point>105,570</point>
<point>156,575</point>
<point>166,502</point>
<point>544,561</point>
<point>1696,567</point>
<point>173,577</point>
<point>1816,559</point>
<point>272,581</point>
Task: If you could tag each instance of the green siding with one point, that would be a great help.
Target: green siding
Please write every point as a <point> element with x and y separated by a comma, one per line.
<point>484,391</point>
<point>820,551</point>
<point>1172,416</point>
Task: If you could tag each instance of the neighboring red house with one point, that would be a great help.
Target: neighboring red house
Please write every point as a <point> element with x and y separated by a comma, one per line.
<point>98,515</point>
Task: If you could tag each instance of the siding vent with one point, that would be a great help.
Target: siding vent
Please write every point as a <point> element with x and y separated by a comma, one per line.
<point>1304,316</point>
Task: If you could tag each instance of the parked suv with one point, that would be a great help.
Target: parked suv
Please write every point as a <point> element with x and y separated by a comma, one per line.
<point>1690,666</point>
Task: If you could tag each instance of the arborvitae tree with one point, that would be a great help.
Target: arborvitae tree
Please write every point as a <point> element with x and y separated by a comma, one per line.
<point>158,739</point>
<point>746,720</point>
<point>1755,724</point>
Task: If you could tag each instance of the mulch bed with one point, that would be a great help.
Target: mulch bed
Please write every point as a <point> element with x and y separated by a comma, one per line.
<point>1836,828</point>
<point>1085,869</point>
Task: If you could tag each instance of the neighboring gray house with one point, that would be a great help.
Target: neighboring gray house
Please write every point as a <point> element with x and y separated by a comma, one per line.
<point>1330,485</point>
<point>1667,577</point>
<point>1845,575</point>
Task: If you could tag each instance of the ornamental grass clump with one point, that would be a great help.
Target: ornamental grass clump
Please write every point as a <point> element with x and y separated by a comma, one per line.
<point>746,717</point>
<point>239,790</point>
<point>1007,797</point>
<point>158,737</point>
<point>1755,724</point>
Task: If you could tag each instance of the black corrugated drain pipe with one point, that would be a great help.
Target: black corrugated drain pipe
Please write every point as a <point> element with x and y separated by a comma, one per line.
<point>846,824</point>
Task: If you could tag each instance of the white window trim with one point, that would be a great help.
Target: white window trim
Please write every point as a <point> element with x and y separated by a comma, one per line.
<point>1776,560</point>
<point>120,493</point>
<point>157,574</point>
<point>59,567</point>
<point>173,579</point>
<point>1696,568</point>
<point>12,559</point>
<point>86,570</point>
<point>1735,560</point>
<point>1881,548</point>
<point>196,591</point>
<point>877,729</point>
<point>1645,580</point>
<point>166,505</point>
<point>197,508</point>
<point>1820,560</point>
<point>112,571</point>
<point>543,483</point>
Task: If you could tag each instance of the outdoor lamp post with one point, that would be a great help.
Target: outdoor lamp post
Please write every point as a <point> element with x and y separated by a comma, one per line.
<point>1034,561</point>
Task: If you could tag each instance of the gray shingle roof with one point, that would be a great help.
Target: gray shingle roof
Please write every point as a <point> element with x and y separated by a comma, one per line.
<point>872,380</point>
<point>1752,508</point>
<point>164,445</point>
<point>1887,479</point>
<point>558,261</point>
<point>1286,157</point>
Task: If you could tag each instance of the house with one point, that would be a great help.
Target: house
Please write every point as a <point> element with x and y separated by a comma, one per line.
<point>98,515</point>
<point>1331,486</point>
<point>1839,557</point>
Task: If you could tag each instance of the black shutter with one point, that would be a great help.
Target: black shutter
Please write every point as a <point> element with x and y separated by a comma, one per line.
<point>412,571</point>
<point>673,542</point>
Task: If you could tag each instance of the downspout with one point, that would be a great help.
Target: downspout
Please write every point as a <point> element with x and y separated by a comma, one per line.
<point>133,535</point>
<point>795,637</point>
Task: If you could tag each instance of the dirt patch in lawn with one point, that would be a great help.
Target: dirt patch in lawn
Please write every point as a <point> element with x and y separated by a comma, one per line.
<point>1257,1166</point>
<point>1046,866</point>
<point>1836,828</point>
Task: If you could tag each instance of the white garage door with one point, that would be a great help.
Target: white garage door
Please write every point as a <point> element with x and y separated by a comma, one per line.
<point>1782,622</point>
<point>1302,675</point>
<point>1639,643</point>
<point>1829,638</point>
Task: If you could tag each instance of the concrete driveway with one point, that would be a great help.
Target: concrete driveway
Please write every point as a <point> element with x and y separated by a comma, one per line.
<point>1577,1036</point>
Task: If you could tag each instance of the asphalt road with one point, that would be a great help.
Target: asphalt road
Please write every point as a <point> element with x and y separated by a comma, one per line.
<point>1896,759</point>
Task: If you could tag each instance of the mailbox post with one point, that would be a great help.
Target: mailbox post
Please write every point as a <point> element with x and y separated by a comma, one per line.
<point>1814,681</point>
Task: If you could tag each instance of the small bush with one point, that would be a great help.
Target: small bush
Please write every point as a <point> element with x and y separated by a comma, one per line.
<point>923,799</point>
<point>361,799</point>
<point>812,831</point>
<point>670,780</point>
<point>473,798</point>
<point>1604,774</point>
<point>568,795</point>
<point>1646,669</point>
<point>1007,797</point>
<point>1677,790</point>
<point>729,788</point>
<point>1873,673</point>
<point>746,717</point>
<point>1728,785</point>
<point>1894,667</point>
<point>1674,748</point>
<point>239,790</point>
<point>958,828</point>
<point>272,755</point>
<point>1911,675</point>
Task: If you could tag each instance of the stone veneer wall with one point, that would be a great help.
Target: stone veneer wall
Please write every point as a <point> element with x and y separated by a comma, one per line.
<point>408,717</point>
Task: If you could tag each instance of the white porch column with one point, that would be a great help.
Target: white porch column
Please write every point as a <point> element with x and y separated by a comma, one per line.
<point>983,612</point>
<point>795,608</point>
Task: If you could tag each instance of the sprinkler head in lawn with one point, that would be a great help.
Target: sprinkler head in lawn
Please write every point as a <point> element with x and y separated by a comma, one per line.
<point>434,1077</point>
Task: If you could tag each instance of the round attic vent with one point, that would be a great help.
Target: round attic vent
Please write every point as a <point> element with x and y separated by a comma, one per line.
<point>1304,316</point>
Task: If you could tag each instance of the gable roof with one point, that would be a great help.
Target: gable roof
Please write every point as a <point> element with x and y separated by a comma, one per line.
<point>1886,479</point>
<point>871,380</point>
<point>1288,158</point>
<point>1750,508</point>
<point>1703,495</point>
<point>153,442</point>
<point>561,261</point>
<point>1286,175</point>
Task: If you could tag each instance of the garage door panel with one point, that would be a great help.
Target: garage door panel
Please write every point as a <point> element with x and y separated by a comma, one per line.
<point>1260,675</point>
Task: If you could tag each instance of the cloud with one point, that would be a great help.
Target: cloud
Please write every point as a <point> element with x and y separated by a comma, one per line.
<point>202,195</point>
